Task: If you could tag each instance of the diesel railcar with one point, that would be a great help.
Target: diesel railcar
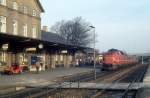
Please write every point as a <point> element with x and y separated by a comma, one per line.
<point>115,59</point>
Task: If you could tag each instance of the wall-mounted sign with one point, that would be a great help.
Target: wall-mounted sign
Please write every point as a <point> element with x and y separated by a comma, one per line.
<point>64,51</point>
<point>5,46</point>
<point>30,49</point>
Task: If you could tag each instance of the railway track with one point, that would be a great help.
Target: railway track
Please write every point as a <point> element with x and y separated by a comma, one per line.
<point>113,77</point>
<point>103,77</point>
<point>119,75</point>
<point>31,92</point>
<point>136,75</point>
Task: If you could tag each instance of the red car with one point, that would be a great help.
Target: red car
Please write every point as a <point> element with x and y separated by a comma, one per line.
<point>13,69</point>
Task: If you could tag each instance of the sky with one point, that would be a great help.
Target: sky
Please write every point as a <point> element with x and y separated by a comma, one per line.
<point>120,24</point>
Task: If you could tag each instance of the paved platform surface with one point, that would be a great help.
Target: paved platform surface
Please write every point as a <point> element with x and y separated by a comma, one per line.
<point>145,92</point>
<point>42,78</point>
<point>106,86</point>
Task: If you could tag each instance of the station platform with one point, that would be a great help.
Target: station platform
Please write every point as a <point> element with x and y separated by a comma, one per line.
<point>42,78</point>
<point>98,86</point>
<point>145,91</point>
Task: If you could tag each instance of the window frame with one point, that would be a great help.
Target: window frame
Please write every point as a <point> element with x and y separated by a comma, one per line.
<point>25,9</point>
<point>25,30</point>
<point>15,5</point>
<point>15,27</point>
<point>61,58</point>
<point>3,56</point>
<point>3,24</point>
<point>3,2</point>
<point>34,13</point>
<point>34,32</point>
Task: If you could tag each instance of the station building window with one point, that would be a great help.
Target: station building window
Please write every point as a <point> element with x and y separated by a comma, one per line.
<point>2,58</point>
<point>33,13</point>
<point>23,60</point>
<point>61,58</point>
<point>25,30</point>
<point>56,57</point>
<point>34,32</point>
<point>15,27</point>
<point>15,6</point>
<point>70,58</point>
<point>25,10</point>
<point>3,2</point>
<point>3,24</point>
<point>56,60</point>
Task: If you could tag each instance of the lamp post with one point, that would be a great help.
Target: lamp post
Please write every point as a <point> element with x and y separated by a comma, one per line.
<point>94,53</point>
<point>142,60</point>
<point>42,56</point>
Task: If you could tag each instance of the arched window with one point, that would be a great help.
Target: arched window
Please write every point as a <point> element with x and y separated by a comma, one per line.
<point>15,27</point>
<point>15,6</point>
<point>3,2</point>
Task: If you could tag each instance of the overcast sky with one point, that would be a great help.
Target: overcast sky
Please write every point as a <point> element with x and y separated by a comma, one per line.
<point>121,24</point>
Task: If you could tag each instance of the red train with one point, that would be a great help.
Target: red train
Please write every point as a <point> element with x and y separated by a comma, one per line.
<point>114,59</point>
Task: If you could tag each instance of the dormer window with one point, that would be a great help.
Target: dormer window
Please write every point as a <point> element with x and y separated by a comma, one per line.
<point>15,6</point>
<point>3,2</point>
<point>33,13</point>
<point>25,10</point>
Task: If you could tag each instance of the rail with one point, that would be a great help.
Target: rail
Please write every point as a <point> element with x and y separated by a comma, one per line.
<point>36,92</point>
<point>30,91</point>
<point>136,80</point>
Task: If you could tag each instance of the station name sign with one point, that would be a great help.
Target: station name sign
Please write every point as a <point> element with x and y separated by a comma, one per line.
<point>5,46</point>
<point>30,49</point>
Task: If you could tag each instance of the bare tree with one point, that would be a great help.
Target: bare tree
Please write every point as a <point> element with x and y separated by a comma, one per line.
<point>76,31</point>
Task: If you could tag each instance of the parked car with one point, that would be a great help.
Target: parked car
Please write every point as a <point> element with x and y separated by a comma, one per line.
<point>13,69</point>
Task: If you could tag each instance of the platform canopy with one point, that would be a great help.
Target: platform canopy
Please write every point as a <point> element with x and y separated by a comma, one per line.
<point>18,43</point>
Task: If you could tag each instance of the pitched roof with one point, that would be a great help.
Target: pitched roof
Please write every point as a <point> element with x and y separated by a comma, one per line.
<point>57,39</point>
<point>53,37</point>
<point>39,4</point>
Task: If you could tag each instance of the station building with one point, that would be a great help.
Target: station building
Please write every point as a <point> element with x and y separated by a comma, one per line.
<point>23,42</point>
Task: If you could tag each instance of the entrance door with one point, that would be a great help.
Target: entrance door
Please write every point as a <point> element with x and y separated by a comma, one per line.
<point>3,58</point>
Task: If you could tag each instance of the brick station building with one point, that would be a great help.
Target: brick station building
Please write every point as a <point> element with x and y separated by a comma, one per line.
<point>23,42</point>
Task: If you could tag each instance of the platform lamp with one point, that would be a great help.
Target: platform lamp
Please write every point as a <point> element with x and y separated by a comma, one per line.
<point>40,46</point>
<point>94,52</point>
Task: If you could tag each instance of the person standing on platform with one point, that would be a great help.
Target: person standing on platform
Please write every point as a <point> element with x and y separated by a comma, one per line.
<point>37,66</point>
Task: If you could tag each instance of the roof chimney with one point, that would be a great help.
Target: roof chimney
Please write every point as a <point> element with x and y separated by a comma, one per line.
<point>45,28</point>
